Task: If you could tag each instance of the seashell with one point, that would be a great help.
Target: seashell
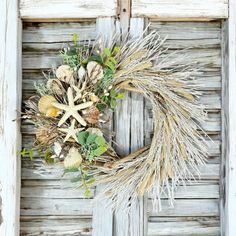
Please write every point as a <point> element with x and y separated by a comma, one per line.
<point>96,131</point>
<point>94,98</point>
<point>57,148</point>
<point>53,112</point>
<point>45,106</point>
<point>81,73</point>
<point>73,159</point>
<point>56,86</point>
<point>65,73</point>
<point>91,115</point>
<point>95,71</point>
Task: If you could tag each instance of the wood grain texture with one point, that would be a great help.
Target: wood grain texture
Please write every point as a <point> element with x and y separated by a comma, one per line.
<point>103,219</point>
<point>66,9</point>
<point>10,138</point>
<point>184,226</point>
<point>199,37</point>
<point>230,125</point>
<point>180,9</point>
<point>41,206</point>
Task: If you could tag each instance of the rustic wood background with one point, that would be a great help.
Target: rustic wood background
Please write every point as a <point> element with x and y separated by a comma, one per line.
<point>53,206</point>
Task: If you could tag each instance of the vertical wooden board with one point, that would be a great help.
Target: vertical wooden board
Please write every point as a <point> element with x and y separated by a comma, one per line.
<point>10,138</point>
<point>224,124</point>
<point>103,219</point>
<point>137,214</point>
<point>230,111</point>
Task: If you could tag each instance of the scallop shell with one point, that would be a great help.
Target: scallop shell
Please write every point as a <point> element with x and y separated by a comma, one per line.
<point>91,115</point>
<point>73,159</point>
<point>95,71</point>
<point>45,106</point>
<point>65,73</point>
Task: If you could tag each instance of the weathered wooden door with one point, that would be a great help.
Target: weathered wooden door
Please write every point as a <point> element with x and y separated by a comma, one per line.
<point>50,205</point>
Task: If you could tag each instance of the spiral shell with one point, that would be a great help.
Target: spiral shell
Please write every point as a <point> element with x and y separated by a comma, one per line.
<point>45,106</point>
<point>91,115</point>
<point>73,159</point>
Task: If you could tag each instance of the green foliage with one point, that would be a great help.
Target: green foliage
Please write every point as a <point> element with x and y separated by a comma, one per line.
<point>92,145</point>
<point>109,60</point>
<point>110,100</point>
<point>84,177</point>
<point>47,157</point>
<point>73,55</point>
<point>26,153</point>
<point>42,89</point>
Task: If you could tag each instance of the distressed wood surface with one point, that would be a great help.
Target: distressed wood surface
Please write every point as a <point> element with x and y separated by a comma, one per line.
<point>41,207</point>
<point>10,138</point>
<point>200,38</point>
<point>180,9</point>
<point>230,124</point>
<point>103,219</point>
<point>184,226</point>
<point>66,9</point>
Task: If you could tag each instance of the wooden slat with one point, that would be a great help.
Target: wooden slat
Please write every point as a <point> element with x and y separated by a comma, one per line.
<point>56,207</point>
<point>66,9</point>
<point>10,99</point>
<point>184,227</point>
<point>187,207</point>
<point>103,220</point>
<point>38,170</point>
<point>138,215</point>
<point>180,9</point>
<point>55,225</point>
<point>49,33</point>
<point>230,125</point>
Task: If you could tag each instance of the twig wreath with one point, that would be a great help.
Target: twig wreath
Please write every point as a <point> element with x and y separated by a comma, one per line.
<point>72,104</point>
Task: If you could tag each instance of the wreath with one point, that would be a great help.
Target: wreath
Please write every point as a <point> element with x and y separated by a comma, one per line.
<point>72,104</point>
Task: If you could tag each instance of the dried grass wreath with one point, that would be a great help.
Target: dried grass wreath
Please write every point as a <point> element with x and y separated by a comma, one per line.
<point>72,104</point>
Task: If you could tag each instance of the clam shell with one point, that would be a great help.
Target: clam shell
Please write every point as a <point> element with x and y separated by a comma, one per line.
<point>45,106</point>
<point>91,115</point>
<point>73,159</point>
<point>65,73</point>
<point>95,71</point>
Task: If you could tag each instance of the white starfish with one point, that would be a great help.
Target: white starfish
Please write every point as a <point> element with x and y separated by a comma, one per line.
<point>70,131</point>
<point>71,109</point>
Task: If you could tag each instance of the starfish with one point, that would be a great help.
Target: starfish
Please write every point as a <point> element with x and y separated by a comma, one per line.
<point>71,109</point>
<point>70,131</point>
